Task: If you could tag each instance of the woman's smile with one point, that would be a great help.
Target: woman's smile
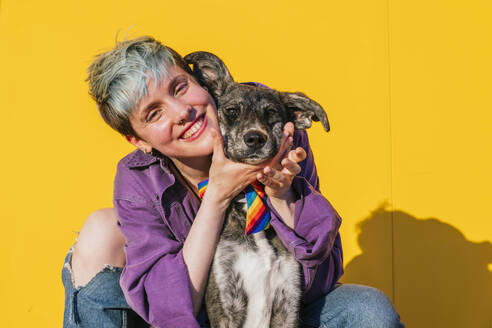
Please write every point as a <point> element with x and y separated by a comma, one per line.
<point>194,129</point>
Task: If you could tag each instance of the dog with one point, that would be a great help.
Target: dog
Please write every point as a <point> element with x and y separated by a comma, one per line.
<point>254,280</point>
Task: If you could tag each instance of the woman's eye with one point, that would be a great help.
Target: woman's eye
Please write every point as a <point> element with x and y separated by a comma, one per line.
<point>181,87</point>
<point>153,115</point>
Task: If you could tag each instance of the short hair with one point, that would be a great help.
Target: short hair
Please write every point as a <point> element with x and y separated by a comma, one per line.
<point>118,78</point>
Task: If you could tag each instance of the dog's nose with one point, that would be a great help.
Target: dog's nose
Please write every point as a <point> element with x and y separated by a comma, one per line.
<point>255,139</point>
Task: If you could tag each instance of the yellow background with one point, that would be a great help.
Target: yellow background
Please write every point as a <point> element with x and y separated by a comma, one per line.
<point>407,87</point>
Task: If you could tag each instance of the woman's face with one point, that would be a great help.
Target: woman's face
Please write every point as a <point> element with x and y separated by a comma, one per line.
<point>176,117</point>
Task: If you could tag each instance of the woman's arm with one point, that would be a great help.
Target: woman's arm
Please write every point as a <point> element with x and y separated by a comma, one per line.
<point>199,247</point>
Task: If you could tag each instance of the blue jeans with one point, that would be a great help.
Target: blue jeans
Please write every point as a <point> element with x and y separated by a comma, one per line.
<point>101,303</point>
<point>352,306</point>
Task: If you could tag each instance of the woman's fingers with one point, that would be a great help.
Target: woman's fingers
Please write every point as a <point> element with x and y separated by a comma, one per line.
<point>270,182</point>
<point>285,145</point>
<point>287,136</point>
<point>275,178</point>
<point>297,155</point>
<point>289,128</point>
<point>279,179</point>
<point>290,167</point>
<point>218,146</point>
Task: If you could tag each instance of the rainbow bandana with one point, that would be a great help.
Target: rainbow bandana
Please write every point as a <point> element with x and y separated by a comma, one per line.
<point>257,216</point>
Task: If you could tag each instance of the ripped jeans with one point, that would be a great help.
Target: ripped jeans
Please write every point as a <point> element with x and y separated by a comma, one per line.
<point>100,303</point>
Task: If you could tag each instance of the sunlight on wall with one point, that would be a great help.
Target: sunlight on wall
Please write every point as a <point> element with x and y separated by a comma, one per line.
<point>406,86</point>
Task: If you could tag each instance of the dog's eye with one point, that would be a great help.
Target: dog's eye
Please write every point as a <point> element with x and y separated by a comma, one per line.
<point>231,112</point>
<point>270,113</point>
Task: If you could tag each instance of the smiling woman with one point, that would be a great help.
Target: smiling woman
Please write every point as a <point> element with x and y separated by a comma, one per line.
<point>147,93</point>
<point>176,117</point>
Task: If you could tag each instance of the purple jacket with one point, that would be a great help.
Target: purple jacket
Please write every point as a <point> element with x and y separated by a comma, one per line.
<point>156,212</point>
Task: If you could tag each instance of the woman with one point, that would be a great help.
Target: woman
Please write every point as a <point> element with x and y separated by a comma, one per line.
<point>146,92</point>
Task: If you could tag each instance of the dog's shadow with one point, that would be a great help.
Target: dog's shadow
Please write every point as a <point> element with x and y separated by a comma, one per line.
<point>434,275</point>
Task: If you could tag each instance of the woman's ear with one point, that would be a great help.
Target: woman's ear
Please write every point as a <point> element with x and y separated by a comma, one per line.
<point>140,144</point>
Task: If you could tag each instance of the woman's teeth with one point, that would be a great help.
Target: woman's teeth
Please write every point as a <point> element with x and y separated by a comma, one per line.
<point>194,128</point>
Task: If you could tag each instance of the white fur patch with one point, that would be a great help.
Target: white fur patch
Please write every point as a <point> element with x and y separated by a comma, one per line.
<point>262,275</point>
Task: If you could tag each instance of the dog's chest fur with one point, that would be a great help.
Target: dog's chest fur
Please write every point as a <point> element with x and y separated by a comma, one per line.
<point>254,280</point>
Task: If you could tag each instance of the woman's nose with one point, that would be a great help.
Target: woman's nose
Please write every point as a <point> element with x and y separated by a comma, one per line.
<point>184,113</point>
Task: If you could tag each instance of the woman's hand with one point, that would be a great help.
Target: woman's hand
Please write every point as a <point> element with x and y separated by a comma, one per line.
<point>227,178</point>
<point>278,175</point>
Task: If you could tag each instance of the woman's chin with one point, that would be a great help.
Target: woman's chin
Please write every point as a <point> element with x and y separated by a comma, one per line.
<point>205,144</point>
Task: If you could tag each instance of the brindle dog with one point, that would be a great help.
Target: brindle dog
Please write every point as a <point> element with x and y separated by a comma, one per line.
<point>254,280</point>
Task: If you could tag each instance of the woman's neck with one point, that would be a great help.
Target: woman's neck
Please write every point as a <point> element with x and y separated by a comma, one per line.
<point>194,170</point>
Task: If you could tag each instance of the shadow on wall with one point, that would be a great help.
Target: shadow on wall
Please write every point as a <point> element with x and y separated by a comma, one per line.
<point>440,279</point>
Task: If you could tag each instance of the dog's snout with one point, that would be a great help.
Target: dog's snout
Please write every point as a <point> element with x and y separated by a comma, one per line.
<point>255,139</point>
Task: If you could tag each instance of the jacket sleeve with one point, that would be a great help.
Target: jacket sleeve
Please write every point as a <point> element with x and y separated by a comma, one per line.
<point>155,280</point>
<point>315,238</point>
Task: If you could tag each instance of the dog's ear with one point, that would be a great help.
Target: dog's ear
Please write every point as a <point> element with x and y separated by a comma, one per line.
<point>210,71</point>
<point>302,110</point>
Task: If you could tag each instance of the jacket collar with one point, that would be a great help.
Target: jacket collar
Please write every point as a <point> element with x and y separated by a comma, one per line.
<point>139,159</point>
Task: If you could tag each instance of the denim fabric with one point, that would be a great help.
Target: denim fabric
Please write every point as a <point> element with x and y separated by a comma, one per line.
<point>101,304</point>
<point>350,305</point>
<point>98,304</point>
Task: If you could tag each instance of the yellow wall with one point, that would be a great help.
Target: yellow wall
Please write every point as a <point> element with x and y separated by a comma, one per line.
<point>406,85</point>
